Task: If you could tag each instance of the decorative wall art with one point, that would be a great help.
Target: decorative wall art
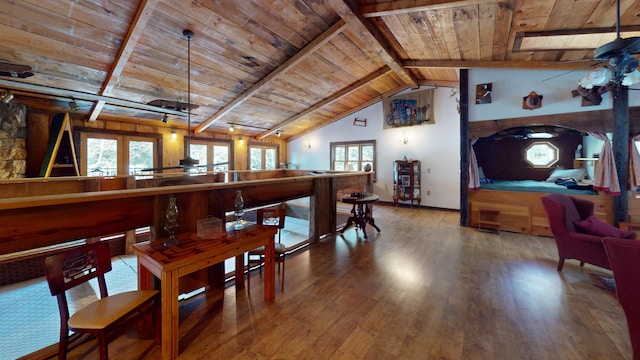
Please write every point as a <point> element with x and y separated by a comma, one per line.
<point>593,96</point>
<point>483,93</point>
<point>532,101</point>
<point>408,110</point>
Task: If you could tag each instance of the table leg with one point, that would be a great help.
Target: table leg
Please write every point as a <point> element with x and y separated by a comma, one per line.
<point>269,271</point>
<point>369,217</point>
<point>145,282</point>
<point>169,314</point>
<point>351,220</point>
<point>362,220</point>
<point>239,271</point>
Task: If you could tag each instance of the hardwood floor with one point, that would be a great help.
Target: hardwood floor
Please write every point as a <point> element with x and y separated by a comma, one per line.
<point>424,288</point>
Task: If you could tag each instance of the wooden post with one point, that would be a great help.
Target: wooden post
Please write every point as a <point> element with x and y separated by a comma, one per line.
<point>464,147</point>
<point>620,147</point>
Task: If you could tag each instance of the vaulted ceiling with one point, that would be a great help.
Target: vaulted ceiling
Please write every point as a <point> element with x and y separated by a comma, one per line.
<point>278,65</point>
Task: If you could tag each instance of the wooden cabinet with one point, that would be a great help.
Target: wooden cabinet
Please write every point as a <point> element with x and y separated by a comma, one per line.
<point>406,181</point>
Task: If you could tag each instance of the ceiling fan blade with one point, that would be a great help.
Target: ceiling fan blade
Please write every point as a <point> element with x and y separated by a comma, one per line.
<point>578,69</point>
<point>163,168</point>
<point>21,75</point>
<point>213,165</point>
<point>14,68</point>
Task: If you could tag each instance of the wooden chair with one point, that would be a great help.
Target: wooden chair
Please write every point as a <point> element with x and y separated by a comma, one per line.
<point>105,318</point>
<point>270,216</point>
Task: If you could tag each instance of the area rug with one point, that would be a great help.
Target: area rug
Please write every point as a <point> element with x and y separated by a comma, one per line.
<point>604,282</point>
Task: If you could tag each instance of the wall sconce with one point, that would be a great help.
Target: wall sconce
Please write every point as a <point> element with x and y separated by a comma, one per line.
<point>241,141</point>
<point>6,97</point>
<point>404,140</point>
<point>173,135</point>
<point>232,128</point>
<point>307,144</point>
<point>165,118</point>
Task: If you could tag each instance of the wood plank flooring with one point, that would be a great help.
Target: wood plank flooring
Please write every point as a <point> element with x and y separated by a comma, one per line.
<point>424,288</point>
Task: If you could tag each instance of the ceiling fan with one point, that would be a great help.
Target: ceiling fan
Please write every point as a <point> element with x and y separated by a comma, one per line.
<point>188,162</point>
<point>619,56</point>
<point>15,71</point>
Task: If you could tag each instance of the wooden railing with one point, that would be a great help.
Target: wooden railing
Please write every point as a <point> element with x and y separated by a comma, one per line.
<point>43,212</point>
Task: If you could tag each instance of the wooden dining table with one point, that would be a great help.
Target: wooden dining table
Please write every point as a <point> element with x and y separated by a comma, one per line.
<point>168,264</point>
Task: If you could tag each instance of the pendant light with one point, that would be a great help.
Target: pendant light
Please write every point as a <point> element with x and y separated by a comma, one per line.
<point>188,161</point>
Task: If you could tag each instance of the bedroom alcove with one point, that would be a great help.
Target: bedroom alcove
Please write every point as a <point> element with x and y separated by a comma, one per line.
<point>502,155</point>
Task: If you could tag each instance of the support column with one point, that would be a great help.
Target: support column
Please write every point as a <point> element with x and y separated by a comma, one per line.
<point>620,147</point>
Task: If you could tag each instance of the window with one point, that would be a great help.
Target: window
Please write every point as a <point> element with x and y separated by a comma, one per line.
<point>215,153</point>
<point>541,154</point>
<point>353,156</point>
<point>111,154</point>
<point>263,157</point>
<point>140,156</point>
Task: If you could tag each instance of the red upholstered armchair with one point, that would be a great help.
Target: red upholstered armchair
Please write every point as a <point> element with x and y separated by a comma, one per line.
<point>577,232</point>
<point>625,263</point>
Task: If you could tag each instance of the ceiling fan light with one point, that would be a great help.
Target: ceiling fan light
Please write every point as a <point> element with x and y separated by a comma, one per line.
<point>597,77</point>
<point>631,78</point>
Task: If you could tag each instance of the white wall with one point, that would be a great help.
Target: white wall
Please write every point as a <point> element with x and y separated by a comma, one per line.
<point>510,86</point>
<point>437,146</point>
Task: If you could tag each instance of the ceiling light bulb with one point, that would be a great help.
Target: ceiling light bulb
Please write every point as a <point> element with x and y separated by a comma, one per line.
<point>7,97</point>
<point>278,133</point>
<point>631,78</point>
<point>597,77</point>
<point>231,128</point>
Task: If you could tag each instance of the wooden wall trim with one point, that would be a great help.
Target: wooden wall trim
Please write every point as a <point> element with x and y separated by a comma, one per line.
<point>586,121</point>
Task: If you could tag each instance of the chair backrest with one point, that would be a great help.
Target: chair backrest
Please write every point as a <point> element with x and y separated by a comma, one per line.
<point>77,265</point>
<point>562,210</point>
<point>272,216</point>
<point>624,256</point>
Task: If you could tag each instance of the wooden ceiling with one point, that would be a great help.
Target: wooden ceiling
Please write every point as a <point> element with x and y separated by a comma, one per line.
<point>287,65</point>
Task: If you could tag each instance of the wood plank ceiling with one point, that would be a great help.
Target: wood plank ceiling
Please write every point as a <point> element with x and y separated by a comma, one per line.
<point>285,65</point>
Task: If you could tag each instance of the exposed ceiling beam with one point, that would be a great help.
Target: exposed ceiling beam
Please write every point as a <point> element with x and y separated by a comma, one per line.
<point>139,22</point>
<point>314,45</point>
<point>349,89</point>
<point>369,34</point>
<point>71,94</point>
<point>492,64</point>
<point>350,111</point>
<point>409,6</point>
<point>439,83</point>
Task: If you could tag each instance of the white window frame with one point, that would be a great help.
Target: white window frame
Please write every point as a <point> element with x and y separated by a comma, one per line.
<point>360,161</point>
<point>123,140</point>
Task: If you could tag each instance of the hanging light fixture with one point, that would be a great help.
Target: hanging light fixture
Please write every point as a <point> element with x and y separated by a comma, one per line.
<point>232,128</point>
<point>165,118</point>
<point>278,133</point>
<point>6,97</point>
<point>188,161</point>
<point>73,105</point>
